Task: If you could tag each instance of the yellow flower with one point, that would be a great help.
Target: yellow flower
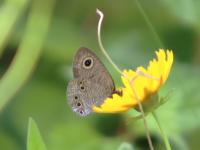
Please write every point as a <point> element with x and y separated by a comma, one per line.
<point>144,82</point>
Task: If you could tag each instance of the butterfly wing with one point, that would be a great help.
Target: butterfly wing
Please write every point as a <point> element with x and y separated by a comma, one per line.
<point>87,65</point>
<point>82,94</point>
<point>92,82</point>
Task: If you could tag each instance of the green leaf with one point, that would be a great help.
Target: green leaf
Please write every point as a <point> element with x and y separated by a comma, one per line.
<point>34,139</point>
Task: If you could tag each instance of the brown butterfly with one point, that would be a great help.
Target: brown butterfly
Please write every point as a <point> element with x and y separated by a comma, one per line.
<point>91,85</point>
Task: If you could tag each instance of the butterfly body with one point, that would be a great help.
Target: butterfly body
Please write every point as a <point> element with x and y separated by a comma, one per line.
<point>91,85</point>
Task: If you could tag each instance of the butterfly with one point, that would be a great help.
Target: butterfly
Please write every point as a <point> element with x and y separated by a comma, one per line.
<point>91,85</point>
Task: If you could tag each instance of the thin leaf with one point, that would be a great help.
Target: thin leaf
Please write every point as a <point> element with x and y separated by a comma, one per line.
<point>34,139</point>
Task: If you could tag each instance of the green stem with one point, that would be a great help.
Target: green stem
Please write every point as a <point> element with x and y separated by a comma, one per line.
<point>166,141</point>
<point>29,50</point>
<point>120,72</point>
<point>150,25</point>
<point>10,12</point>
<point>143,116</point>
<point>100,42</point>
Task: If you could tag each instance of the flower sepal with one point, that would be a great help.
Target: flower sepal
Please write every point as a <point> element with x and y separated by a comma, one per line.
<point>150,104</point>
<point>154,102</point>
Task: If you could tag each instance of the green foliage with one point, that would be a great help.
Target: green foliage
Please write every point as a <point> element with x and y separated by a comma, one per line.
<point>190,9</point>
<point>34,139</point>
<point>28,53</point>
<point>40,38</point>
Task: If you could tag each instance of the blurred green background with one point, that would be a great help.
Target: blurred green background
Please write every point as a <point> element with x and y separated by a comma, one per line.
<point>38,39</point>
